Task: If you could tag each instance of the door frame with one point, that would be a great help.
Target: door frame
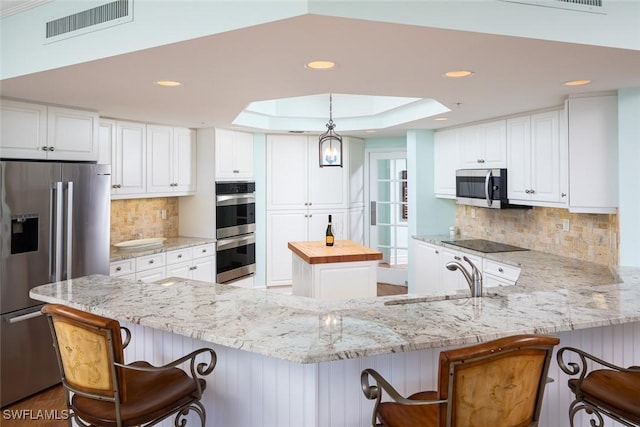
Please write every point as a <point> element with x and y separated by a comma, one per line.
<point>383,273</point>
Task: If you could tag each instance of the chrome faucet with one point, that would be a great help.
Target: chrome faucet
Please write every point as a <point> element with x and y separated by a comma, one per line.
<point>474,279</point>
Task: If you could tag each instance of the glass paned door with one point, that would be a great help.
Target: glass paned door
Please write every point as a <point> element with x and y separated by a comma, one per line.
<point>388,231</point>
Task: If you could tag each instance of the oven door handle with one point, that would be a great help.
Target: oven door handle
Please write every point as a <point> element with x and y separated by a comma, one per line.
<point>235,242</point>
<point>235,199</point>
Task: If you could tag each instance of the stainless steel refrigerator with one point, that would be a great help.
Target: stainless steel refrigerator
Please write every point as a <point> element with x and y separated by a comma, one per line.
<point>54,225</point>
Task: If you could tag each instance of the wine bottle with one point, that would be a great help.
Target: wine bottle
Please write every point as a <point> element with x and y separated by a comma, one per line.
<point>329,234</point>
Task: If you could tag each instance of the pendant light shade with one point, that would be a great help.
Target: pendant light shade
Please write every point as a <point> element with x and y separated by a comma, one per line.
<point>330,143</point>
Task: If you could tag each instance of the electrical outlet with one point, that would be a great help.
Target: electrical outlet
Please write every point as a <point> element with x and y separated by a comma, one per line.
<point>565,225</point>
<point>473,212</point>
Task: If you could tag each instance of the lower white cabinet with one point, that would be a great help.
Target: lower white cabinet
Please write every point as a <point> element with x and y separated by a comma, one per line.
<point>432,276</point>
<point>194,263</point>
<point>296,226</point>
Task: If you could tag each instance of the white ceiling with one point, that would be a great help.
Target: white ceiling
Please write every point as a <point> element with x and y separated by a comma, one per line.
<point>222,74</point>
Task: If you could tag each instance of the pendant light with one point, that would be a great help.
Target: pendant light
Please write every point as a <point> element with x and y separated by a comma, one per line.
<point>330,143</point>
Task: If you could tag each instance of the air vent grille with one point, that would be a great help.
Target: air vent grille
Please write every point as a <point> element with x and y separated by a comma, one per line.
<point>591,6</point>
<point>99,17</point>
<point>595,3</point>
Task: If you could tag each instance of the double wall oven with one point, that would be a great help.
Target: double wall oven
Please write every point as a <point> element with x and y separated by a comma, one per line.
<point>235,230</point>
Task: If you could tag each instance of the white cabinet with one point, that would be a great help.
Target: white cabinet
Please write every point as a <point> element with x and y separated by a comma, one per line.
<point>447,161</point>
<point>170,160</point>
<point>433,277</point>
<point>301,195</point>
<point>194,263</point>
<point>284,226</point>
<point>106,141</point>
<point>40,132</point>
<point>233,155</point>
<point>484,145</point>
<point>534,160</point>
<point>128,161</point>
<point>498,274</point>
<point>593,153</point>
<point>431,273</point>
<point>295,179</point>
<point>72,134</point>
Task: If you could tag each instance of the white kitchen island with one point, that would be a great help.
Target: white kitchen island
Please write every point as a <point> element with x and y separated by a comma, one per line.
<point>280,365</point>
<point>344,270</point>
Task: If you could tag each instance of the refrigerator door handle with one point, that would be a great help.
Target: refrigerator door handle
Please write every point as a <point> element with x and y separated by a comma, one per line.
<point>25,317</point>
<point>68,252</point>
<point>55,238</point>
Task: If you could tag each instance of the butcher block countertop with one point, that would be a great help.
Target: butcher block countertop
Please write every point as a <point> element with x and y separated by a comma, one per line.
<point>318,252</point>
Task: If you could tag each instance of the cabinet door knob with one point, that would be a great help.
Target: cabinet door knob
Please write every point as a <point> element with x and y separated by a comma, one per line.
<point>150,261</point>
<point>204,251</point>
<point>533,191</point>
<point>563,195</point>
<point>52,148</point>
<point>118,268</point>
<point>500,270</point>
<point>45,148</point>
<point>193,268</point>
<point>437,251</point>
<point>179,255</point>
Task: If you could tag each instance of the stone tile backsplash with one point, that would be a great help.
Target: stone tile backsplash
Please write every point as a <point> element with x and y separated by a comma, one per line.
<point>591,237</point>
<point>142,218</point>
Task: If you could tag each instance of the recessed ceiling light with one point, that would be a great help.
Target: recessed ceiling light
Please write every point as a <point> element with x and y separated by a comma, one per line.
<point>168,83</point>
<point>577,82</point>
<point>321,65</point>
<point>440,119</point>
<point>458,73</point>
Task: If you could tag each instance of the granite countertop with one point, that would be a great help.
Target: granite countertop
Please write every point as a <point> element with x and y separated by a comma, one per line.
<point>170,244</point>
<point>540,270</point>
<point>293,328</point>
<point>317,252</point>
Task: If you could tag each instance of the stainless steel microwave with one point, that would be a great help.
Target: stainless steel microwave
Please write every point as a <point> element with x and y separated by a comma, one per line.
<point>485,188</point>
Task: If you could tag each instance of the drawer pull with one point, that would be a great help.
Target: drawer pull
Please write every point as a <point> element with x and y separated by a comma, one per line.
<point>500,270</point>
<point>193,268</point>
<point>204,251</point>
<point>118,268</point>
<point>179,256</point>
<point>150,261</point>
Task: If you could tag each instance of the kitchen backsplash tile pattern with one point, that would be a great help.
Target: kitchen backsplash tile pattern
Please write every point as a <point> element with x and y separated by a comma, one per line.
<point>142,218</point>
<point>591,237</point>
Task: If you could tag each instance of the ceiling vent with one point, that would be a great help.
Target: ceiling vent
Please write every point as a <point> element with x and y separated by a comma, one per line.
<point>592,6</point>
<point>97,18</point>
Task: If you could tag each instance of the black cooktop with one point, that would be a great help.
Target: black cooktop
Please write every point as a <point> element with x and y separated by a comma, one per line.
<point>485,246</point>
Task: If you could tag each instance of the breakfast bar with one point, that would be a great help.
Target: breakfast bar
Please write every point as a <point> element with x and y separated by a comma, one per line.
<point>281,363</point>
<point>344,270</point>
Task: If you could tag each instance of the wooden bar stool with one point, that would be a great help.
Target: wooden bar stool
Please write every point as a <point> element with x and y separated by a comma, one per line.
<point>613,391</point>
<point>499,383</point>
<point>102,391</point>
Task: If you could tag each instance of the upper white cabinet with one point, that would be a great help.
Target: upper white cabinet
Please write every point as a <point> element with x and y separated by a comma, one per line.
<point>447,161</point>
<point>128,160</point>
<point>233,155</point>
<point>534,160</point>
<point>593,153</point>
<point>295,179</point>
<point>484,145</point>
<point>170,160</point>
<point>34,131</point>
